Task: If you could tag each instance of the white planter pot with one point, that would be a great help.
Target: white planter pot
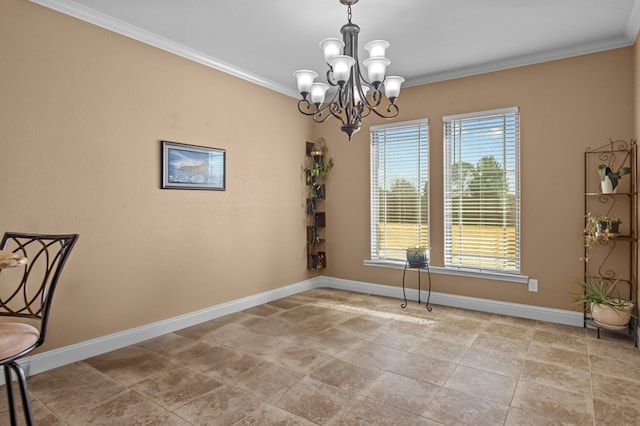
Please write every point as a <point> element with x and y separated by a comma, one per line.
<point>606,186</point>
<point>612,318</point>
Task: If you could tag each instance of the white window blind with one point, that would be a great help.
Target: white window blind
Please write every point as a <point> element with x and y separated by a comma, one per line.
<point>399,188</point>
<point>482,191</point>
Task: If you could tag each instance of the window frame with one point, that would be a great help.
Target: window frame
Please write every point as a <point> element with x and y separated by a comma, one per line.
<point>374,193</point>
<point>448,139</point>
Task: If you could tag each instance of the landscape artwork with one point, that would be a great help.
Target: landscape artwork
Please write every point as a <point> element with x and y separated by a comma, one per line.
<point>192,167</point>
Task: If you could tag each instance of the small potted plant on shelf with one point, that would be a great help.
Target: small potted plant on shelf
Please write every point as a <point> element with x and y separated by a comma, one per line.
<point>321,165</point>
<point>609,179</point>
<point>600,228</point>
<point>606,311</point>
<point>417,256</point>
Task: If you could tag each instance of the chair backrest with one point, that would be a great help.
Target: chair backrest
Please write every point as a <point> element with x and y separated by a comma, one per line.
<point>26,291</point>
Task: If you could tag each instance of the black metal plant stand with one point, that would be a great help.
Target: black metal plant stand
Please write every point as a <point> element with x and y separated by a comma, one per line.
<point>419,268</point>
<point>615,256</point>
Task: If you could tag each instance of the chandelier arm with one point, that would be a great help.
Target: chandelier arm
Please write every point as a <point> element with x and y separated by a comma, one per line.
<point>395,108</point>
<point>319,118</point>
<point>330,79</point>
<point>316,114</point>
<point>336,111</point>
<point>328,107</point>
<point>347,96</point>
<point>392,109</point>
<point>309,108</point>
<point>351,107</point>
<point>358,112</point>
<point>376,97</point>
<point>357,85</point>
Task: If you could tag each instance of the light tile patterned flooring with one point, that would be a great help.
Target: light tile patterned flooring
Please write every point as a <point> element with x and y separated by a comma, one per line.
<point>338,358</point>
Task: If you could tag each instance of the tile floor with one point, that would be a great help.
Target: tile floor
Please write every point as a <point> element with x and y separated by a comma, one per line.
<point>338,358</point>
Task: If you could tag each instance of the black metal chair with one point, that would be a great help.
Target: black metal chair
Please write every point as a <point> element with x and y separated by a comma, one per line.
<point>26,292</point>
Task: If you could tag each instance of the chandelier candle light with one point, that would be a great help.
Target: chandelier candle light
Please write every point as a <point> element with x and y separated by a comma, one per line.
<point>356,96</point>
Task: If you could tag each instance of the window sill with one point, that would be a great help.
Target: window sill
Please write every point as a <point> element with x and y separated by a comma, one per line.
<point>395,264</point>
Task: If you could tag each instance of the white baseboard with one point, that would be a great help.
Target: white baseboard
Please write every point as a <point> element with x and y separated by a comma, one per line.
<point>66,355</point>
<point>539,313</point>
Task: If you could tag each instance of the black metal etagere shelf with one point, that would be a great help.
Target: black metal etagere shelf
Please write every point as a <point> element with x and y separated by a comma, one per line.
<point>613,259</point>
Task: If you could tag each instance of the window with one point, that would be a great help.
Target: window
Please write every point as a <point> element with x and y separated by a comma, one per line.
<point>399,188</point>
<point>482,191</point>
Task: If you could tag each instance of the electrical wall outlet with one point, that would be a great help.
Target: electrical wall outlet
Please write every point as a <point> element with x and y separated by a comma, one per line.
<point>533,285</point>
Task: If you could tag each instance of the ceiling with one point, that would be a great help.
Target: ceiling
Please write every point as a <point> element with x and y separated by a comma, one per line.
<point>431,40</point>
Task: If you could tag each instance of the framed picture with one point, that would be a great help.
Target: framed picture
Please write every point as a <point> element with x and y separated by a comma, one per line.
<point>193,167</point>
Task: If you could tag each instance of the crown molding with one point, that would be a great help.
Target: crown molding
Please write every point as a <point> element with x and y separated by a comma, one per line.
<point>633,24</point>
<point>629,38</point>
<point>110,23</point>
<point>520,61</point>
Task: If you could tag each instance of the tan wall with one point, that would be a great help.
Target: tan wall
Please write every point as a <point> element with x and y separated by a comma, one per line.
<point>565,106</point>
<point>82,113</point>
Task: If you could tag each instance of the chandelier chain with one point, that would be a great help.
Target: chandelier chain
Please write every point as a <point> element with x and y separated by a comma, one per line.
<point>349,13</point>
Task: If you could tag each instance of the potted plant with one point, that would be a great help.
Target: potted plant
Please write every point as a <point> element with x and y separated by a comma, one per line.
<point>606,311</point>
<point>609,179</point>
<point>417,257</point>
<point>318,171</point>
<point>600,228</point>
<point>320,164</point>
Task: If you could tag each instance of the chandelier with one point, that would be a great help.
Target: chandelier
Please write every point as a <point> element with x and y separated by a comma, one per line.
<point>356,96</point>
